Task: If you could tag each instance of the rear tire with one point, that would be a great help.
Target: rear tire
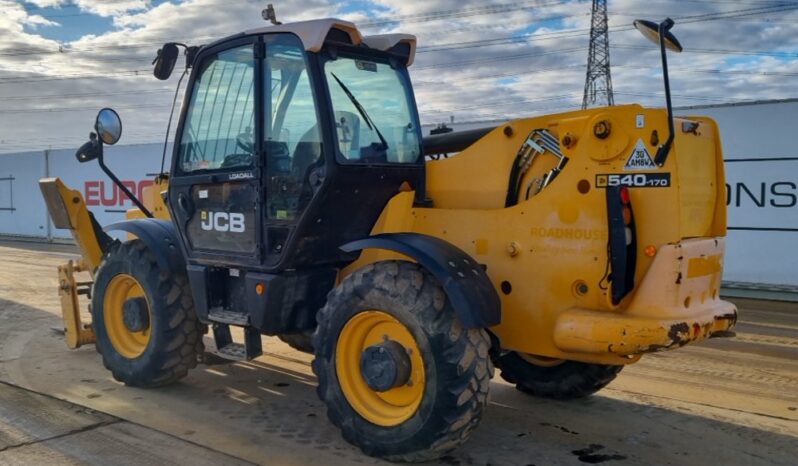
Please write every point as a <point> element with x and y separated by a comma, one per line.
<point>171,341</point>
<point>299,341</point>
<point>564,381</point>
<point>449,379</point>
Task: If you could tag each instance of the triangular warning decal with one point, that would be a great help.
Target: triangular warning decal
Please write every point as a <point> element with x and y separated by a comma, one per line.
<point>640,158</point>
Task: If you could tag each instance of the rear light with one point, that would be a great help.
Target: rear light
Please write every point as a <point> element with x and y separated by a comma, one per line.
<point>622,242</point>
<point>627,215</point>
<point>625,198</point>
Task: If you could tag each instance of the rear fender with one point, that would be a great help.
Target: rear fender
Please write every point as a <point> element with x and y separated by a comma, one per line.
<point>464,280</point>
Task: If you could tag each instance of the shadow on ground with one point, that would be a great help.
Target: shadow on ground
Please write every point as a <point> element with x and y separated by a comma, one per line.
<point>266,411</point>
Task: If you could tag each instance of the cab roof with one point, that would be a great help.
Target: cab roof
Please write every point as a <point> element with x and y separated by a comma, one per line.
<point>313,33</point>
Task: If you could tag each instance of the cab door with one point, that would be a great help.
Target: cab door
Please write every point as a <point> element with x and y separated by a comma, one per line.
<point>295,164</point>
<point>215,190</point>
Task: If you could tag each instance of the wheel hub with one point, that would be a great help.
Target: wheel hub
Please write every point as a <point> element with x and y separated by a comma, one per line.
<point>385,365</point>
<point>376,383</point>
<point>135,314</point>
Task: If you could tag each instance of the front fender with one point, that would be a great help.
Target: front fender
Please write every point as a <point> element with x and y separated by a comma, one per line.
<point>160,236</point>
<point>464,280</point>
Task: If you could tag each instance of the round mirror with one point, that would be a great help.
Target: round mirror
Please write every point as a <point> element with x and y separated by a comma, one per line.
<point>108,126</point>
<point>650,30</point>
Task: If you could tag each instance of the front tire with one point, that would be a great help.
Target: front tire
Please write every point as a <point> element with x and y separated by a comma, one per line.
<point>438,403</point>
<point>563,380</point>
<point>147,331</point>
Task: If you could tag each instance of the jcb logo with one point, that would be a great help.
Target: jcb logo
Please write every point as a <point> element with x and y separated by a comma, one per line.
<point>222,221</point>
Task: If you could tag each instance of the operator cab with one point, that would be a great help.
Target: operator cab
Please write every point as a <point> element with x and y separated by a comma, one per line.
<point>290,144</point>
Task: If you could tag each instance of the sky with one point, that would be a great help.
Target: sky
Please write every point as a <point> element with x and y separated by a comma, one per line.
<point>62,60</point>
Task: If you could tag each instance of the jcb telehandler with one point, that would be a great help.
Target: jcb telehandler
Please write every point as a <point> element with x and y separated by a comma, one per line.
<point>558,248</point>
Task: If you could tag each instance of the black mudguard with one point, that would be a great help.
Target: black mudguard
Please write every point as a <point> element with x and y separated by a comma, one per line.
<point>464,280</point>
<point>159,235</point>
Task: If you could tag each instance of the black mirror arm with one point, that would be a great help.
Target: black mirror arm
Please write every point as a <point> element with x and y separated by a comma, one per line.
<point>118,183</point>
<point>662,152</point>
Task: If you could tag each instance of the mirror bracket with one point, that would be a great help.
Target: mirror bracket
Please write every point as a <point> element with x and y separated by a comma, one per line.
<point>88,151</point>
<point>118,182</point>
<point>660,34</point>
<point>664,150</point>
<point>94,149</point>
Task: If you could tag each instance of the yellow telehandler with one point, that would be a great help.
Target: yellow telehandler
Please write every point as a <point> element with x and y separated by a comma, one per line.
<point>299,203</point>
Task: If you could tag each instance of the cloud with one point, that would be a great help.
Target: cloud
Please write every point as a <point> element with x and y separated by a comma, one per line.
<point>112,8</point>
<point>36,20</point>
<point>48,3</point>
<point>476,60</point>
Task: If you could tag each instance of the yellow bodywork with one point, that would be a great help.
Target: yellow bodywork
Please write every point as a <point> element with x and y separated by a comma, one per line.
<point>547,255</point>
<point>552,248</point>
<point>152,199</point>
<point>68,210</point>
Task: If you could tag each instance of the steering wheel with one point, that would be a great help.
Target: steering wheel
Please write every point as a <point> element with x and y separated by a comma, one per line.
<point>245,141</point>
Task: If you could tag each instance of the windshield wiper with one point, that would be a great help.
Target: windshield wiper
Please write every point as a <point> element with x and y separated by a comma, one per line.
<point>369,122</point>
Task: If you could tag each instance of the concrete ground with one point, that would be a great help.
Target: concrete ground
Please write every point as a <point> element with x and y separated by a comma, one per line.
<point>723,401</point>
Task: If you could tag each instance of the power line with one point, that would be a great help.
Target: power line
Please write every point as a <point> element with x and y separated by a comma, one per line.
<point>735,14</point>
<point>713,71</point>
<point>499,58</point>
<point>764,53</point>
<point>412,18</point>
<point>88,94</point>
<point>107,74</point>
<point>503,75</point>
<point>423,83</point>
<point>781,6</point>
<point>462,13</point>
<point>72,109</point>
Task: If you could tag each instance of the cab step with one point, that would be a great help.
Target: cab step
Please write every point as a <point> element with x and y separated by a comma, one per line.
<point>228,349</point>
<point>224,316</point>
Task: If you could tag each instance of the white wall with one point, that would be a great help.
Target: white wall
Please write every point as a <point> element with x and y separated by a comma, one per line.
<point>19,174</point>
<point>762,184</point>
<point>760,159</point>
<point>132,164</point>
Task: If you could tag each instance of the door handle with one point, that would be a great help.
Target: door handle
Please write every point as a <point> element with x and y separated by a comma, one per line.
<point>185,205</point>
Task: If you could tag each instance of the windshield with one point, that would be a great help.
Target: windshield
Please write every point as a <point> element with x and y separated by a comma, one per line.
<point>386,116</point>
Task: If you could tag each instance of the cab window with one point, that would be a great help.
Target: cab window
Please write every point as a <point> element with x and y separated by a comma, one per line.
<point>374,112</point>
<point>218,131</point>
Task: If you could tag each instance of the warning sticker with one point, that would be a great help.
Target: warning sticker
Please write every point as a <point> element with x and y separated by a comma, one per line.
<point>640,158</point>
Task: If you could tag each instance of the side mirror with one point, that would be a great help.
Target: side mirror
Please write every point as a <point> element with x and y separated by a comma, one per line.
<point>650,30</point>
<point>165,61</point>
<point>108,126</point>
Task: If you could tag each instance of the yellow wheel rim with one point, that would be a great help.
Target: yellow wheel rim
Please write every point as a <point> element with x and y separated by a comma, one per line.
<point>542,361</point>
<point>128,343</point>
<point>387,408</point>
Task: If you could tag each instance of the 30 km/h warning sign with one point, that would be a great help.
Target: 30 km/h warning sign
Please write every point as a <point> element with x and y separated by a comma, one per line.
<point>640,159</point>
